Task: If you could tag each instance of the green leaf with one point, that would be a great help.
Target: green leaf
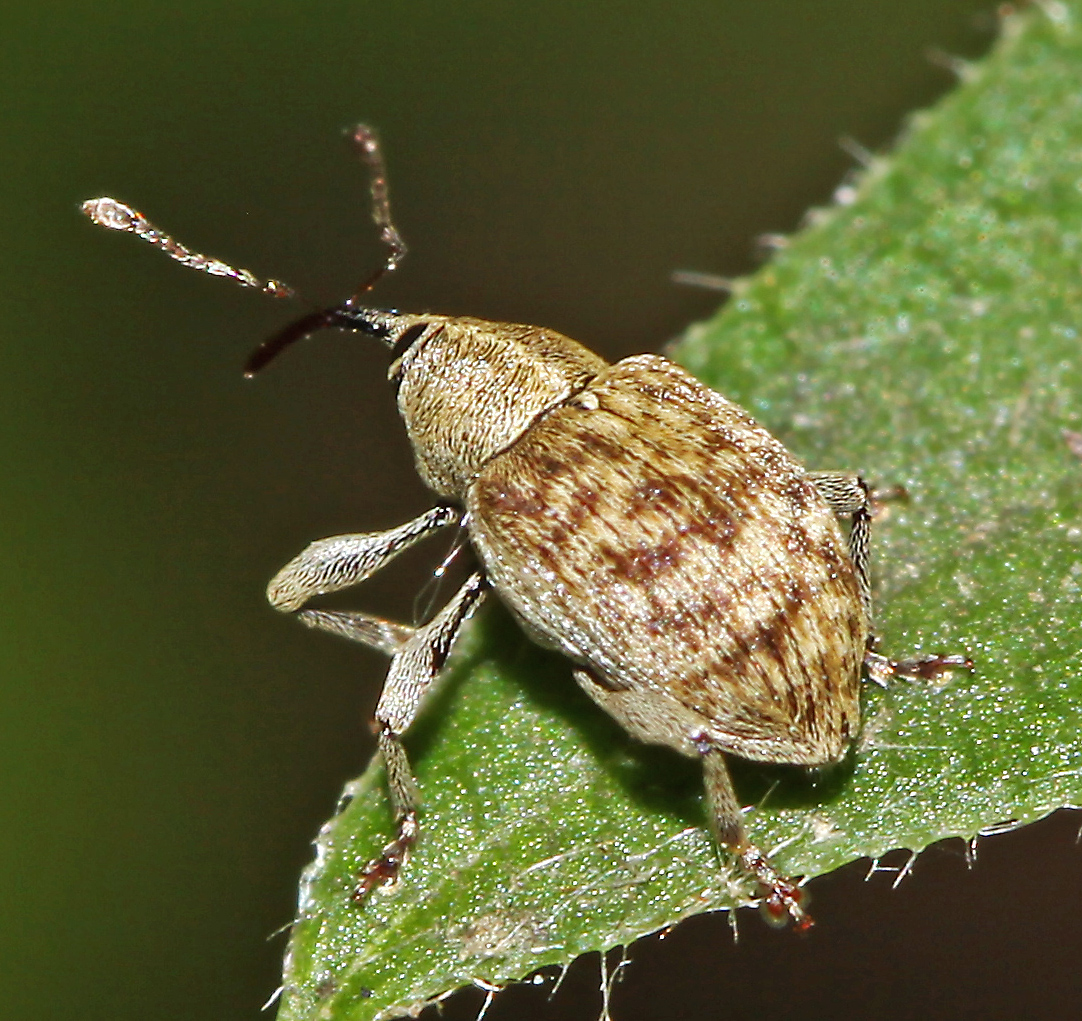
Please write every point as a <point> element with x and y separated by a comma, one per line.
<point>925,333</point>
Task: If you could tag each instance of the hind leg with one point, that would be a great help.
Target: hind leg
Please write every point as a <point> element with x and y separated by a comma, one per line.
<point>782,897</point>
<point>656,719</point>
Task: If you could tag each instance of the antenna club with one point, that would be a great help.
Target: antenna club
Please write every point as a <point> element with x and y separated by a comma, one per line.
<point>107,212</point>
<point>365,138</point>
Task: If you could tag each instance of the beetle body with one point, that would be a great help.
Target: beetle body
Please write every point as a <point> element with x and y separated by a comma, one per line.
<point>630,517</point>
<point>638,522</point>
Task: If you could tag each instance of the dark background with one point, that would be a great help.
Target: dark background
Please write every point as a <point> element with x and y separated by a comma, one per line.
<point>168,746</point>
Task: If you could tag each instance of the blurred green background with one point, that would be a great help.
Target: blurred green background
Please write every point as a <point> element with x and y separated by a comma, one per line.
<point>168,746</point>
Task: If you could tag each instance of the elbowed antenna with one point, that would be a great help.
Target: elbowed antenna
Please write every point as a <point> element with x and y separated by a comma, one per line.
<point>108,212</point>
<point>350,315</point>
<point>367,145</point>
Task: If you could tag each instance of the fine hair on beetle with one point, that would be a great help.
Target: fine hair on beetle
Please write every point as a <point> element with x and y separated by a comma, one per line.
<point>695,574</point>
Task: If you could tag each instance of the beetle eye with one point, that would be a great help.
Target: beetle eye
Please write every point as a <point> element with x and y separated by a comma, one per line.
<point>406,338</point>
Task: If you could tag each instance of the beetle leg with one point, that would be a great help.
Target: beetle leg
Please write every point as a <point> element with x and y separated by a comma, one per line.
<point>377,633</point>
<point>881,669</point>
<point>782,898</point>
<point>414,669</point>
<point>340,561</point>
<point>848,494</point>
<point>329,565</point>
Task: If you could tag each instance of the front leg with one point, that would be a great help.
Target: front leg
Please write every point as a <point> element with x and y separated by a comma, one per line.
<point>414,669</point>
<point>329,565</point>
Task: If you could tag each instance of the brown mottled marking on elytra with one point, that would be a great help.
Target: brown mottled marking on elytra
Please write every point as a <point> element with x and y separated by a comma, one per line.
<point>593,447</point>
<point>650,494</point>
<point>549,555</point>
<point>774,638</point>
<point>646,562</point>
<point>558,535</point>
<point>696,562</point>
<point>552,466</point>
<point>523,503</point>
<point>799,493</point>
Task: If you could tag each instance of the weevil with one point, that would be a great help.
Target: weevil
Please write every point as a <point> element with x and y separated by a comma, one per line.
<point>690,568</point>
